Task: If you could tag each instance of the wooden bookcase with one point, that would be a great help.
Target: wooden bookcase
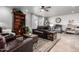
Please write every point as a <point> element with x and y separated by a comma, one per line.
<point>18,22</point>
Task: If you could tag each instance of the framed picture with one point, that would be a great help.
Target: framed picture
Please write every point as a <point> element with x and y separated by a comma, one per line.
<point>58,20</point>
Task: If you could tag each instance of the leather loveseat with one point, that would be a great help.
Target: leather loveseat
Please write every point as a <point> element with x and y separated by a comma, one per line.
<point>42,31</point>
<point>7,41</point>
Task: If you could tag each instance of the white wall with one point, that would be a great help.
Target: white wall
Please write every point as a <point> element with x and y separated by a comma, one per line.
<point>6,16</point>
<point>65,19</point>
<point>31,19</point>
<point>34,21</point>
<point>28,17</point>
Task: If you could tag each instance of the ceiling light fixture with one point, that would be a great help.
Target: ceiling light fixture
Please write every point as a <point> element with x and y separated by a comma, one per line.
<point>45,8</point>
<point>42,10</point>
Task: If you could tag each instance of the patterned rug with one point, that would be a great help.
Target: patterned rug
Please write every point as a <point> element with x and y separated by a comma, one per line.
<point>44,45</point>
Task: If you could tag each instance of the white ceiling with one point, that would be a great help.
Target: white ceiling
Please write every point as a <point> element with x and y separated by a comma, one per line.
<point>53,11</point>
<point>57,10</point>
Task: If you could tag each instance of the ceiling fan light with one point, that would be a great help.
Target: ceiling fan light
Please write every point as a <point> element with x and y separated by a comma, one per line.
<point>42,10</point>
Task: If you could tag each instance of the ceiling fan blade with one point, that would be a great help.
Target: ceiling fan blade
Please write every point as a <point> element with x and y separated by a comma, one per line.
<point>42,7</point>
<point>48,7</point>
<point>46,10</point>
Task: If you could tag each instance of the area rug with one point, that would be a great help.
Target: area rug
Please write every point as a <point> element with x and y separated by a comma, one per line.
<point>44,45</point>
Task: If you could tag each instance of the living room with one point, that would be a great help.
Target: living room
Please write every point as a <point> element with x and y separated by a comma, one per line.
<point>39,28</point>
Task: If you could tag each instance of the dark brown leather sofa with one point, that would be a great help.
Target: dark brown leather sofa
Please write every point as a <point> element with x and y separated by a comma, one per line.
<point>42,31</point>
<point>6,39</point>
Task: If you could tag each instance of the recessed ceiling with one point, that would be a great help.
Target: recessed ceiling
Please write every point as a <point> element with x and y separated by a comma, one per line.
<point>53,11</point>
<point>57,10</point>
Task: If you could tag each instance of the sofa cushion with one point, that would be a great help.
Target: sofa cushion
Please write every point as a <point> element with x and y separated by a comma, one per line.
<point>43,27</point>
<point>37,31</point>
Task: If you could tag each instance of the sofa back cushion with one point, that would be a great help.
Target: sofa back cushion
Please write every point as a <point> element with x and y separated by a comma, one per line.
<point>43,27</point>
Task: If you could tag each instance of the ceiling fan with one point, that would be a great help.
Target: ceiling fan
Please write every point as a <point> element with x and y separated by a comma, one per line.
<point>45,8</point>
